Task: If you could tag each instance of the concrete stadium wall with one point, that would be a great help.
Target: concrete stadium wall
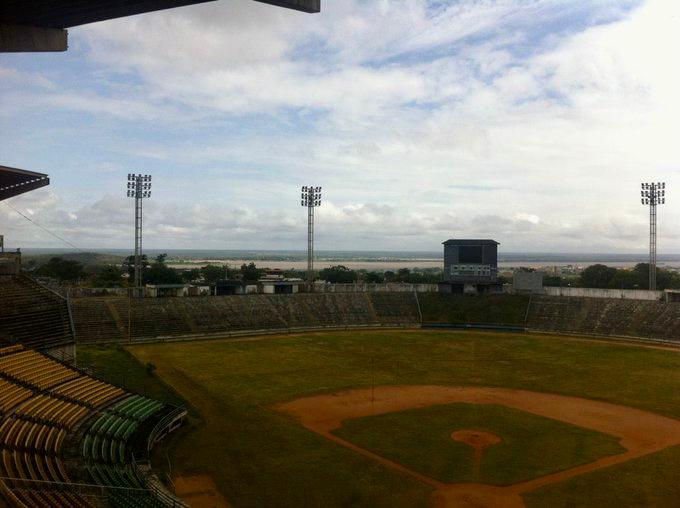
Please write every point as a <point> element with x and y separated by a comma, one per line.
<point>628,294</point>
<point>142,319</point>
<point>606,316</point>
<point>390,287</point>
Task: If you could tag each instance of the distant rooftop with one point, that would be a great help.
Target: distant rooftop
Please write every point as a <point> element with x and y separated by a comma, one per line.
<point>467,241</point>
<point>15,181</point>
<point>40,25</point>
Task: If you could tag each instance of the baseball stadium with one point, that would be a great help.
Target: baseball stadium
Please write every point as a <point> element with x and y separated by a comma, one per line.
<point>338,399</point>
<point>465,393</point>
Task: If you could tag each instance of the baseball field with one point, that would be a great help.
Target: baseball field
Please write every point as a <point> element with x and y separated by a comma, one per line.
<point>413,418</point>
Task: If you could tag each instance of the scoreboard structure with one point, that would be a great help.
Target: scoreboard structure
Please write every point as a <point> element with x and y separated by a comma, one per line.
<point>470,266</point>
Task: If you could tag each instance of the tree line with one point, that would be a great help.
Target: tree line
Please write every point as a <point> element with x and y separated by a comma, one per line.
<point>609,277</point>
<point>157,271</point>
<point>68,271</point>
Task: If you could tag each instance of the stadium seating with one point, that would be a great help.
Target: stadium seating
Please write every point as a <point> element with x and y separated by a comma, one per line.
<point>32,368</point>
<point>43,404</point>
<point>106,319</point>
<point>33,315</point>
<point>91,392</point>
<point>605,316</point>
<point>33,428</point>
<point>96,319</point>
<point>105,448</point>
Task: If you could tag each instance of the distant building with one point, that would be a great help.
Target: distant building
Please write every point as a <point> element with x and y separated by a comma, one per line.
<point>470,266</point>
<point>166,290</point>
<point>279,285</point>
<point>175,290</point>
<point>233,287</point>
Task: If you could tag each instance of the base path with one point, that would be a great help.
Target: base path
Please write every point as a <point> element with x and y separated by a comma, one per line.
<point>640,432</point>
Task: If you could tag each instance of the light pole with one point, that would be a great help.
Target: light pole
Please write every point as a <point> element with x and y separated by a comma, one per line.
<point>310,197</point>
<point>653,194</point>
<point>138,187</point>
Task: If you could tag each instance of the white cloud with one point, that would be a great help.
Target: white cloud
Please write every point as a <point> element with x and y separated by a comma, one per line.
<point>420,124</point>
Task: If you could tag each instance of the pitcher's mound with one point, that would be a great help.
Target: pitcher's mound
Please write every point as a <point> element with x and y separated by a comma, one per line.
<point>475,438</point>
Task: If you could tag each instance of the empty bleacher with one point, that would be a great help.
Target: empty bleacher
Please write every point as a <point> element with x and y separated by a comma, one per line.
<point>90,392</point>
<point>395,308</point>
<point>43,404</point>
<point>106,452</point>
<point>94,318</point>
<point>109,319</point>
<point>32,368</point>
<point>33,315</point>
<point>33,426</point>
<point>605,316</point>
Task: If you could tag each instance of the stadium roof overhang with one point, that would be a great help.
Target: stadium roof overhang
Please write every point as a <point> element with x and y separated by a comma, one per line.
<point>40,25</point>
<point>15,181</point>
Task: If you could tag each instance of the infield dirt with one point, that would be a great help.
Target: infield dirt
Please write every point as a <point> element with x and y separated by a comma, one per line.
<point>640,432</point>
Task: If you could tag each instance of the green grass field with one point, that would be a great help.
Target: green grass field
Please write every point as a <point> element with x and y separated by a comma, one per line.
<point>531,445</point>
<point>258,457</point>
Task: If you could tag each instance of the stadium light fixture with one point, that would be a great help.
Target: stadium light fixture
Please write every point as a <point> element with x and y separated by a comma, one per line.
<point>139,188</point>
<point>310,197</point>
<point>652,194</point>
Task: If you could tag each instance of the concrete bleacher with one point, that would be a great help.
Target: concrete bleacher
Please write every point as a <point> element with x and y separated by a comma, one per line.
<point>108,319</point>
<point>605,316</point>
<point>43,405</point>
<point>33,315</point>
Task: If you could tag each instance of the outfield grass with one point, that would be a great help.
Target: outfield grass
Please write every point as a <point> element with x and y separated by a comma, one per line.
<point>120,367</point>
<point>531,445</point>
<point>651,480</point>
<point>258,457</point>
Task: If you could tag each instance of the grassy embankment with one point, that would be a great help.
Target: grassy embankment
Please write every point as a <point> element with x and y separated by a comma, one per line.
<point>258,457</point>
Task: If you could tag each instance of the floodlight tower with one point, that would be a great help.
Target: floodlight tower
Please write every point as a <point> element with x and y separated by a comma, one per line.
<point>653,194</point>
<point>139,188</point>
<point>310,197</point>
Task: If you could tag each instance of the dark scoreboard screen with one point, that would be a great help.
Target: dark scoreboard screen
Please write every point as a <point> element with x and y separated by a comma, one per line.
<point>470,254</point>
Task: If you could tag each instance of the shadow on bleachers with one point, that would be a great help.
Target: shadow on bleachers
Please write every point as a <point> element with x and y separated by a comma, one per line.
<point>33,315</point>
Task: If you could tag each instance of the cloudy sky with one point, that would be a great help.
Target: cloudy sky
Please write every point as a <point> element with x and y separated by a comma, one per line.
<point>530,122</point>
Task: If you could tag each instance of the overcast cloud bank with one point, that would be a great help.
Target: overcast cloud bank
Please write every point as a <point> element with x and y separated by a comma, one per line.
<point>531,122</point>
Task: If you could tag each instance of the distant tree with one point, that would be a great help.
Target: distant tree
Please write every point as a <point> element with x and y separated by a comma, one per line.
<point>504,279</point>
<point>160,273</point>
<point>390,276</point>
<point>403,275</point>
<point>161,258</point>
<point>191,275</point>
<point>62,269</point>
<point>554,280</point>
<point>597,276</point>
<point>213,273</point>
<point>374,278</point>
<point>338,274</point>
<point>665,279</point>
<point>110,276</point>
<point>129,265</point>
<point>250,272</point>
<point>628,279</point>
